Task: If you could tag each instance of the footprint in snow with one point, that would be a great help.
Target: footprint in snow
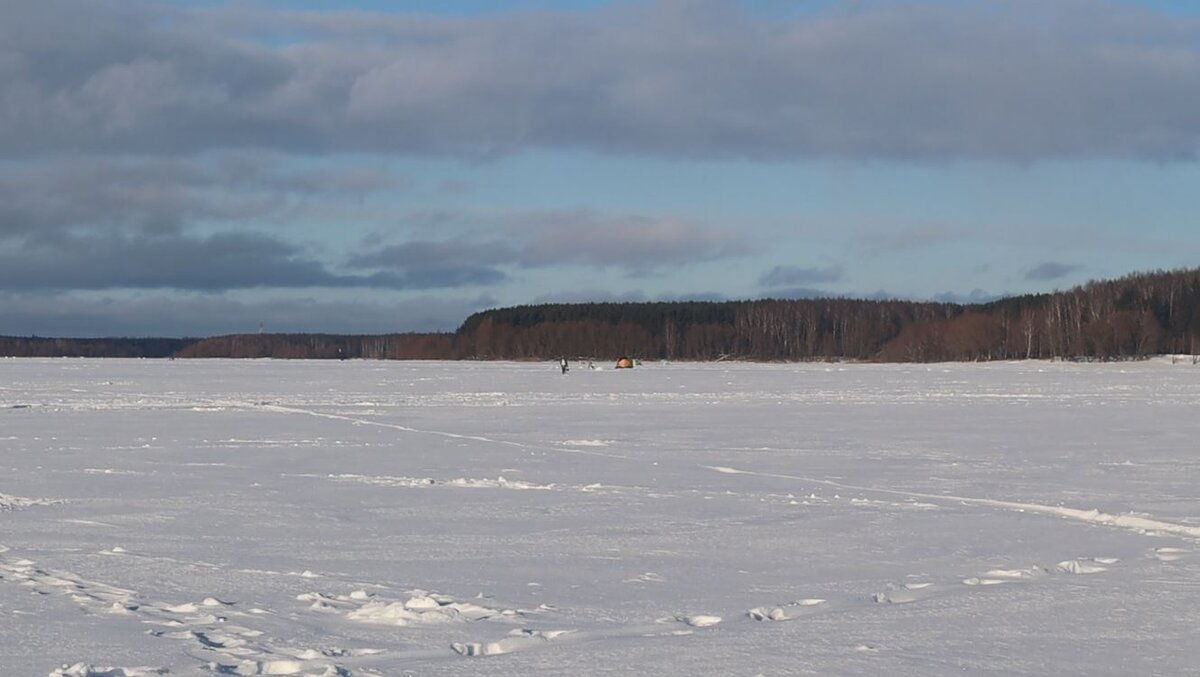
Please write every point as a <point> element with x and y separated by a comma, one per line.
<point>89,670</point>
<point>699,620</point>
<point>1086,565</point>
<point>517,640</point>
<point>692,621</point>
<point>1172,554</point>
<point>904,594</point>
<point>237,650</point>
<point>998,576</point>
<point>786,612</point>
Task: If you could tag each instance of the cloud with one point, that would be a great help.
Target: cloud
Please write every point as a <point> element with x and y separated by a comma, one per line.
<point>72,314</point>
<point>785,276</point>
<point>701,296</point>
<point>163,195</point>
<point>101,223</point>
<point>140,223</point>
<point>436,253</point>
<point>453,262</point>
<point>1018,81</point>
<point>636,243</point>
<point>635,296</point>
<point>1050,270</point>
<point>799,293</point>
<point>591,296</point>
<point>211,263</point>
<point>270,172</point>
<point>973,297</point>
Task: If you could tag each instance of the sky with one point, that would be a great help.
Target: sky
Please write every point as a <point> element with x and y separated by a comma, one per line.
<point>204,167</point>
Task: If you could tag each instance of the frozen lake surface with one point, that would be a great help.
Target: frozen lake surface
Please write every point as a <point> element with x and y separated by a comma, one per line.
<point>389,518</point>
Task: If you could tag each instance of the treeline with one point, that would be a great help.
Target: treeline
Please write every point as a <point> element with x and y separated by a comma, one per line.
<point>435,346</point>
<point>328,346</point>
<point>756,330</point>
<point>1128,318</point>
<point>37,346</point>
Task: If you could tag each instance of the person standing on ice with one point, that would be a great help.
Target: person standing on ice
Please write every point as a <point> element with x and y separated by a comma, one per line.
<point>562,362</point>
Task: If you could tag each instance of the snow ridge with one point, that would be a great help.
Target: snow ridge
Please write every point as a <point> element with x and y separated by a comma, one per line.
<point>8,502</point>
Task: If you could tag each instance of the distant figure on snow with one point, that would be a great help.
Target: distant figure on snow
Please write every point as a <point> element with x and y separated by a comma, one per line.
<point>562,362</point>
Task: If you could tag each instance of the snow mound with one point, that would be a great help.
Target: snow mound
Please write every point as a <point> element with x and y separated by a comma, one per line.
<point>421,608</point>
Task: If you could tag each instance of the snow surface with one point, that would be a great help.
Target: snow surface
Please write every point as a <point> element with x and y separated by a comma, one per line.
<point>384,518</point>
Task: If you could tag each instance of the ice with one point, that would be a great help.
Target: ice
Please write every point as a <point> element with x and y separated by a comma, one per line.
<point>376,518</point>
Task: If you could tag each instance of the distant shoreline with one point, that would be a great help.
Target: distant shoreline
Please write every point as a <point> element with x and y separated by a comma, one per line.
<point>1131,318</point>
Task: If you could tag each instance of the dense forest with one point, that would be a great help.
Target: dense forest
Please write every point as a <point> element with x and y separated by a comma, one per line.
<point>1128,318</point>
<point>329,346</point>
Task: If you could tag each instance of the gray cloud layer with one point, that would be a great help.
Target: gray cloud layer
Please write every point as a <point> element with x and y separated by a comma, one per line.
<point>104,223</point>
<point>92,225</point>
<point>1050,270</point>
<point>213,263</point>
<point>634,243</point>
<point>206,315</point>
<point>157,195</point>
<point>1015,80</point>
<point>786,276</point>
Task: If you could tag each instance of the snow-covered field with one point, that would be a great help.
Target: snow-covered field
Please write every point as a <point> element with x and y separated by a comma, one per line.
<point>385,518</point>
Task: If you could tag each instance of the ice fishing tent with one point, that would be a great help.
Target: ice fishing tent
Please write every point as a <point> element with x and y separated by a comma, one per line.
<point>624,363</point>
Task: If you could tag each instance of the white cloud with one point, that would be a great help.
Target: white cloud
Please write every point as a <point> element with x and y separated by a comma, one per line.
<point>1016,80</point>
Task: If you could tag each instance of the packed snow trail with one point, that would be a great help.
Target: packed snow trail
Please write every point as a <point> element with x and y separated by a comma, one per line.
<point>1129,522</point>
<point>438,433</point>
